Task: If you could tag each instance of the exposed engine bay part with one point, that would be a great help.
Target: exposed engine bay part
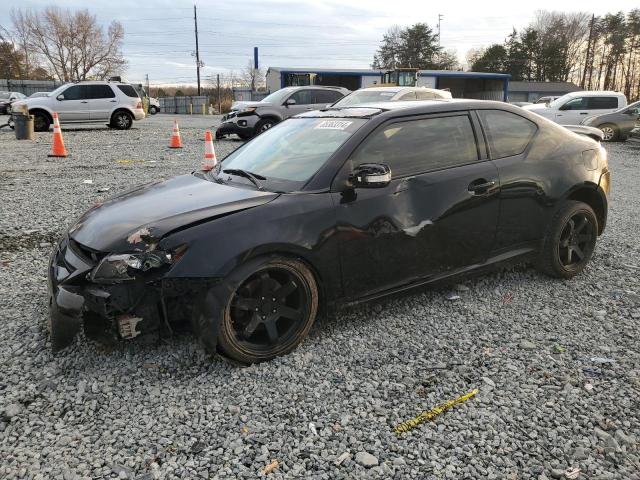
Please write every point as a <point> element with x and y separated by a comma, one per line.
<point>127,326</point>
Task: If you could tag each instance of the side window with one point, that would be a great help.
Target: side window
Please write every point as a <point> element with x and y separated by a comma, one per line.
<point>575,104</point>
<point>425,95</point>
<point>76,92</point>
<point>128,90</point>
<point>101,91</point>
<point>303,97</point>
<point>508,133</point>
<point>327,96</point>
<point>417,146</point>
<point>601,103</point>
<point>407,97</point>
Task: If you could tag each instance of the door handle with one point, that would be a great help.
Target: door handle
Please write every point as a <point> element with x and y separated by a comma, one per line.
<point>481,187</point>
<point>84,101</point>
<point>113,101</point>
<point>584,113</point>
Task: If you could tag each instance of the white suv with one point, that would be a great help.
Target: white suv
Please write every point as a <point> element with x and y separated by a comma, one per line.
<point>114,103</point>
<point>572,108</point>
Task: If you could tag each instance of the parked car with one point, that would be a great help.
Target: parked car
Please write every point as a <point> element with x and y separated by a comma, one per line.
<point>572,108</point>
<point>547,99</point>
<point>331,207</point>
<point>38,94</point>
<point>391,94</point>
<point>114,103</point>
<point>247,119</point>
<point>7,98</point>
<point>616,125</point>
<point>591,132</point>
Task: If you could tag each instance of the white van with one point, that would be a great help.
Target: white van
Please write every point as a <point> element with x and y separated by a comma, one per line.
<point>572,108</point>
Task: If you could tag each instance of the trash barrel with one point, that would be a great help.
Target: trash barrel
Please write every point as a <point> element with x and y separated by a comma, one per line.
<point>23,125</point>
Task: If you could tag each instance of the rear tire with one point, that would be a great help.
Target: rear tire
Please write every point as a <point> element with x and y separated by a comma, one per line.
<point>570,241</point>
<point>121,120</point>
<point>263,309</point>
<point>610,132</point>
<point>153,110</point>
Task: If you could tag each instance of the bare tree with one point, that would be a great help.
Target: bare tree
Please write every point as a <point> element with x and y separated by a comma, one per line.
<point>72,45</point>
<point>251,77</point>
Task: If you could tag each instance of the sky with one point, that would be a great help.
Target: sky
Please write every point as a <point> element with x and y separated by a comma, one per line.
<point>159,35</point>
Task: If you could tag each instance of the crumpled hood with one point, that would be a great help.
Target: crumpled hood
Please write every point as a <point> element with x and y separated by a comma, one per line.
<point>242,105</point>
<point>141,217</point>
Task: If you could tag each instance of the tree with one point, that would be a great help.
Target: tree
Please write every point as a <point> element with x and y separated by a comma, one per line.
<point>72,46</point>
<point>251,77</point>
<point>12,63</point>
<point>388,55</point>
<point>494,59</point>
<point>161,93</point>
<point>179,93</point>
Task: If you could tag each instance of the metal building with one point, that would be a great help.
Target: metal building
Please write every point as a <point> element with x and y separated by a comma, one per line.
<point>484,86</point>
<point>532,91</point>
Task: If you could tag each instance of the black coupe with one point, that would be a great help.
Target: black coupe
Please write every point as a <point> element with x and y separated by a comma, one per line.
<point>329,208</point>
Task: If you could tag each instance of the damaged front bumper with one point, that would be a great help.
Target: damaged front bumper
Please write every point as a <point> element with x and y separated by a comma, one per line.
<point>111,312</point>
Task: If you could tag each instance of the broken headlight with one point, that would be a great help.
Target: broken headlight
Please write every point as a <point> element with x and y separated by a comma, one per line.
<point>124,266</point>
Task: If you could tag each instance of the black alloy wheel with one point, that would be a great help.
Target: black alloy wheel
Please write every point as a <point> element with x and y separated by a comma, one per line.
<point>270,312</point>
<point>570,241</point>
<point>264,125</point>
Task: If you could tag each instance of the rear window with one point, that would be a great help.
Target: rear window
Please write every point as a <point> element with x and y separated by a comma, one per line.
<point>508,133</point>
<point>128,90</point>
<point>601,103</point>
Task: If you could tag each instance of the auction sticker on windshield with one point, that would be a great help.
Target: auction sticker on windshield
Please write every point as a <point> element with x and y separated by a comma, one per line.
<point>333,124</point>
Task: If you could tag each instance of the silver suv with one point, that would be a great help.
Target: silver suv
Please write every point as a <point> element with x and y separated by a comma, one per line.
<point>247,119</point>
<point>114,103</point>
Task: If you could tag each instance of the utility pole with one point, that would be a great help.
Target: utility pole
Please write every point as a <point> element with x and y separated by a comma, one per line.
<point>195,21</point>
<point>147,81</point>
<point>218,88</point>
<point>440,17</point>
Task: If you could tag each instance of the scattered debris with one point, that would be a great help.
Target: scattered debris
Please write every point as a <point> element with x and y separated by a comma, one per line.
<point>559,349</point>
<point>244,429</point>
<point>312,427</point>
<point>267,469</point>
<point>588,387</point>
<point>103,189</point>
<point>342,458</point>
<point>452,296</point>
<point>88,182</point>
<point>507,298</point>
<point>602,360</point>
<point>572,473</point>
<point>434,412</point>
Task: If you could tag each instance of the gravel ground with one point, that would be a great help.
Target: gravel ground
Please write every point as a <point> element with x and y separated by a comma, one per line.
<point>556,363</point>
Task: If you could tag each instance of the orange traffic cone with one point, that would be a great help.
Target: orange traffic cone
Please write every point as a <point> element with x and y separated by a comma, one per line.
<point>210,160</point>
<point>176,141</point>
<point>57,149</point>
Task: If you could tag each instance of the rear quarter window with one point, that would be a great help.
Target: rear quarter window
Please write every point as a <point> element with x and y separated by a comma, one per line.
<point>128,90</point>
<point>508,133</point>
<point>602,103</point>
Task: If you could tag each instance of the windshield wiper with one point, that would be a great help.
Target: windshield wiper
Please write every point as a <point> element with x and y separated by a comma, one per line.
<point>254,177</point>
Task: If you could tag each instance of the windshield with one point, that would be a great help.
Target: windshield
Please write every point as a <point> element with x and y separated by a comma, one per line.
<point>631,106</point>
<point>4,94</point>
<point>58,90</point>
<point>560,101</point>
<point>365,96</point>
<point>290,153</point>
<point>279,96</point>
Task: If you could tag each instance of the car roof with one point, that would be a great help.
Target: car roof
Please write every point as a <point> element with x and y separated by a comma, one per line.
<point>315,87</point>
<point>414,107</point>
<point>400,89</point>
<point>586,93</point>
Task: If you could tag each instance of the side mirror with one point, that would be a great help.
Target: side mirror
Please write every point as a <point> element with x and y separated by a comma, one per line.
<point>371,175</point>
<point>60,97</point>
<point>290,101</point>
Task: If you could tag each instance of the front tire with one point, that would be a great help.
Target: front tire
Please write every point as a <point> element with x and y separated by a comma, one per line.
<point>610,132</point>
<point>570,241</point>
<point>121,120</point>
<point>266,308</point>
<point>264,125</point>
<point>153,110</point>
<point>41,122</point>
